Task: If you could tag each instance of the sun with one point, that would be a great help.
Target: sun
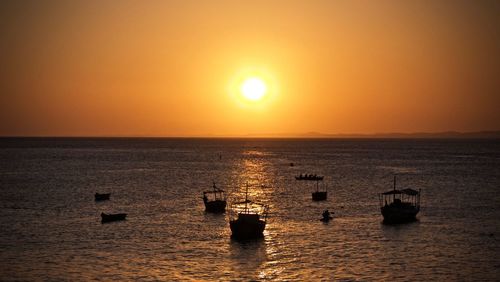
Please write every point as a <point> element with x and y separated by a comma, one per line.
<point>253,88</point>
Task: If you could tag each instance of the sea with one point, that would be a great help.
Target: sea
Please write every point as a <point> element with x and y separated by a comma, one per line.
<point>50,228</point>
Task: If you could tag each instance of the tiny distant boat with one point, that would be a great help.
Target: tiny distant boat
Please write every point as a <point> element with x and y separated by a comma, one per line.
<point>112,217</point>
<point>399,206</point>
<point>215,200</point>
<point>102,197</point>
<point>311,177</point>
<point>326,216</point>
<point>321,194</point>
<point>327,219</point>
<point>248,219</point>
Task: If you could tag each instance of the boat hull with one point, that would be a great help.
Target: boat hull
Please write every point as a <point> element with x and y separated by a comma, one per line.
<point>247,229</point>
<point>217,206</point>
<point>319,196</point>
<point>112,217</point>
<point>101,197</point>
<point>311,178</point>
<point>394,215</point>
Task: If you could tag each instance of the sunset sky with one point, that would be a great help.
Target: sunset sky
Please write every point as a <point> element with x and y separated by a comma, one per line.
<point>177,68</point>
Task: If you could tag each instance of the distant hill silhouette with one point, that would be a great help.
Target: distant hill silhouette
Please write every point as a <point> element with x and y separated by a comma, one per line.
<point>446,134</point>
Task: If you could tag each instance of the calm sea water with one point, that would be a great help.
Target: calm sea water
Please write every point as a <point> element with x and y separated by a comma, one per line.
<point>50,225</point>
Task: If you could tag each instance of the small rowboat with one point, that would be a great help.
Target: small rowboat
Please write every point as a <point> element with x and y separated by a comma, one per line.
<point>326,219</point>
<point>102,197</point>
<point>112,217</point>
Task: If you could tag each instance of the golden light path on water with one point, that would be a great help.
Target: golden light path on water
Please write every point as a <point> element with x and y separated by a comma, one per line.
<point>257,173</point>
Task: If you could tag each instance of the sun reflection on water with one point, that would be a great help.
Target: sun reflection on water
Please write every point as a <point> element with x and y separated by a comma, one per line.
<point>254,172</point>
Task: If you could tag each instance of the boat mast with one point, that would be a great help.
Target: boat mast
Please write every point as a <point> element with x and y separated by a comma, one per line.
<point>394,194</point>
<point>246,199</point>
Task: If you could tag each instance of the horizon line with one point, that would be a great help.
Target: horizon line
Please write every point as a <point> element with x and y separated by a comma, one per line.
<point>307,135</point>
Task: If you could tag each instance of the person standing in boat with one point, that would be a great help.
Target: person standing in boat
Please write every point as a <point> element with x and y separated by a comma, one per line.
<point>326,215</point>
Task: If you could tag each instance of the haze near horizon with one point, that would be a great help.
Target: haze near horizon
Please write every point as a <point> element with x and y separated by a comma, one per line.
<point>226,68</point>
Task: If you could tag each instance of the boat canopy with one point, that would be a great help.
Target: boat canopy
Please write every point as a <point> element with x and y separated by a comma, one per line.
<point>410,192</point>
<point>248,206</point>
<point>407,191</point>
<point>214,191</point>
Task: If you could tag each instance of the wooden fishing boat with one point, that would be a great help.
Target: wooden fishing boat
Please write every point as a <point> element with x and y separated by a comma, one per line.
<point>215,200</point>
<point>321,193</point>
<point>248,219</point>
<point>399,206</point>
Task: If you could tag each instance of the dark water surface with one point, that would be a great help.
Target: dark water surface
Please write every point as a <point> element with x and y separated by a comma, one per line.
<point>50,225</point>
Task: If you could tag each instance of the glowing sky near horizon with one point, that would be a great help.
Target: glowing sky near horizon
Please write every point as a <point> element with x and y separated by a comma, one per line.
<point>171,68</point>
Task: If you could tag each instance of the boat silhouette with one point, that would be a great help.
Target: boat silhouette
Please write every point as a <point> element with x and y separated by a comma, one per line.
<point>326,216</point>
<point>215,200</point>
<point>112,217</point>
<point>312,177</point>
<point>101,197</point>
<point>319,194</point>
<point>249,219</point>
<point>399,206</point>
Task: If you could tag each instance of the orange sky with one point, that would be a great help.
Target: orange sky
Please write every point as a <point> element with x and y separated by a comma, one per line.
<point>170,68</point>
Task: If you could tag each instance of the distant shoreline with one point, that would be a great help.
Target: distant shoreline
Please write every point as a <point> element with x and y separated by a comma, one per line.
<point>309,135</point>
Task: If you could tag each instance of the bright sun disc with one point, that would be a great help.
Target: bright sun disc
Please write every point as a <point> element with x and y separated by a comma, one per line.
<point>253,88</point>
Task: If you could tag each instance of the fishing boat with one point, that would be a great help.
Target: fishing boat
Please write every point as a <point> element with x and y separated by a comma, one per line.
<point>112,217</point>
<point>215,200</point>
<point>321,194</point>
<point>248,218</point>
<point>399,206</point>
<point>309,177</point>
<point>101,197</point>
